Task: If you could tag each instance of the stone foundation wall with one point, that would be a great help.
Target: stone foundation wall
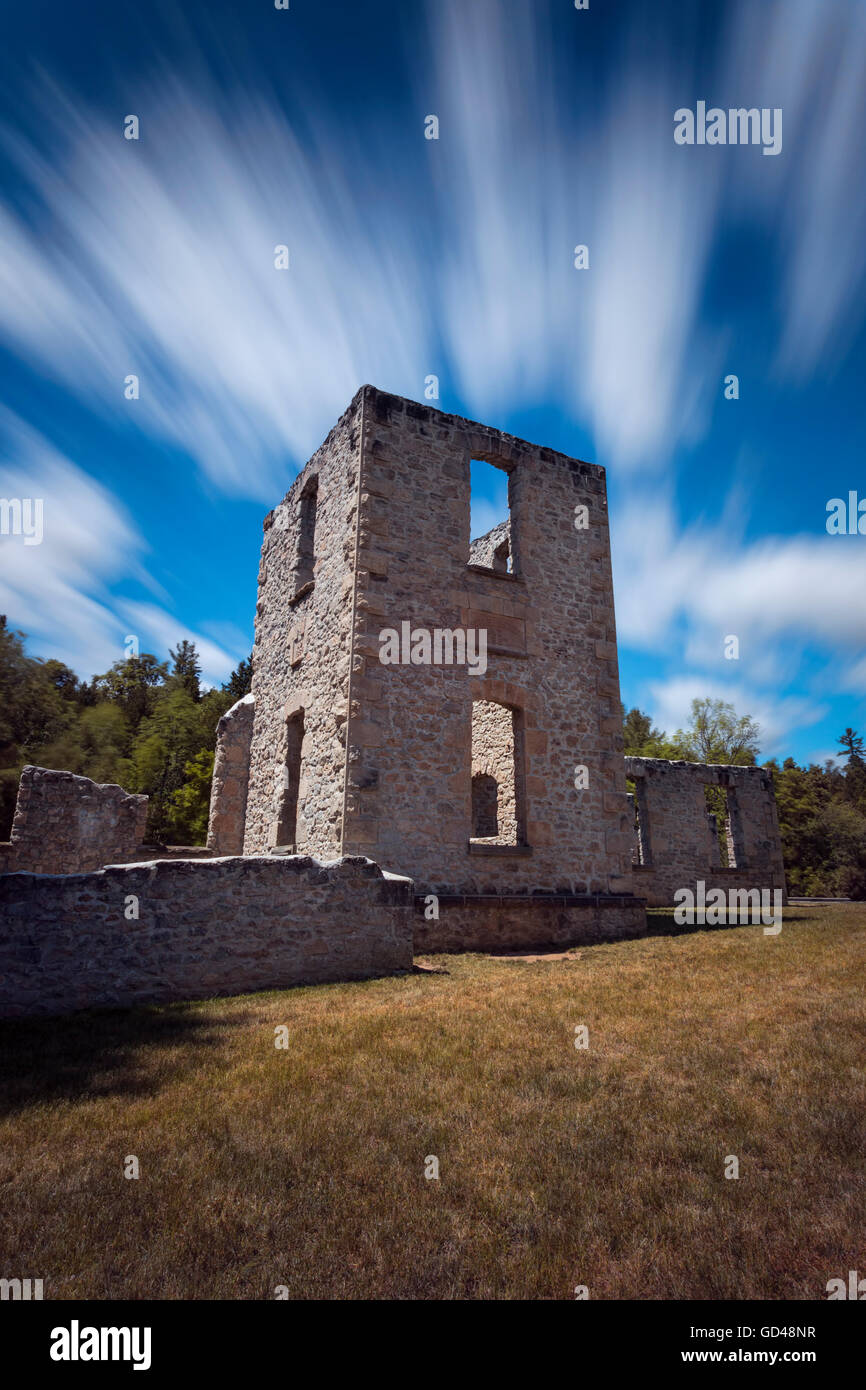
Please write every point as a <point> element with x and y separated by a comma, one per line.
<point>67,824</point>
<point>231,775</point>
<point>204,928</point>
<point>478,923</point>
<point>679,845</point>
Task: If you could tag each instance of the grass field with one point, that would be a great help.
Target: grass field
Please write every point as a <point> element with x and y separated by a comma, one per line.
<point>602,1167</point>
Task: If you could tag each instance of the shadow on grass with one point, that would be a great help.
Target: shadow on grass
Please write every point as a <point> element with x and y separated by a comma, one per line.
<point>660,922</point>
<point>101,1053</point>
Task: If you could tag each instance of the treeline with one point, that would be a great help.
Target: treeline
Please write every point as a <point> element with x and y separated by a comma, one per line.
<point>147,725</point>
<point>144,724</point>
<point>822,809</point>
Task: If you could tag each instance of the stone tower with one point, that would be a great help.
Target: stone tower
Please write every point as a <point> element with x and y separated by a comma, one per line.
<point>485,759</point>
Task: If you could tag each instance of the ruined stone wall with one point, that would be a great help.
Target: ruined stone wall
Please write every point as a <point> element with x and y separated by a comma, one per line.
<point>551,654</point>
<point>493,549</point>
<point>499,923</point>
<point>231,773</point>
<point>205,928</point>
<point>66,824</point>
<point>493,742</point>
<point>301,652</point>
<point>678,840</point>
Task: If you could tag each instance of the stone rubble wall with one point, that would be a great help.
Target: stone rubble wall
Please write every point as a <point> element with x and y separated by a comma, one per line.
<point>483,550</point>
<point>204,928</point>
<point>301,651</point>
<point>231,775</point>
<point>551,653</point>
<point>66,824</point>
<point>678,840</point>
<point>493,756</point>
<point>492,924</point>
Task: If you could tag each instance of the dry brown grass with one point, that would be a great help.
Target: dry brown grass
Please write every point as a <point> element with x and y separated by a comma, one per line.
<point>558,1167</point>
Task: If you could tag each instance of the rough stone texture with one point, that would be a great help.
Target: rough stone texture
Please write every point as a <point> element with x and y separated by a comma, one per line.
<point>679,844</point>
<point>66,824</point>
<point>476,923</point>
<point>551,656</point>
<point>231,774</point>
<point>386,757</point>
<point>211,927</point>
<point>493,549</point>
<point>494,799</point>
<point>302,652</point>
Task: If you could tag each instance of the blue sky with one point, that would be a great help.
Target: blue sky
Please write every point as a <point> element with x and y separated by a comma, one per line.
<point>452,257</point>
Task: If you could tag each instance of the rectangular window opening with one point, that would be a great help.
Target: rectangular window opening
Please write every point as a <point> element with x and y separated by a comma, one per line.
<point>287,823</point>
<point>305,544</point>
<point>637,800</point>
<point>725,830</point>
<point>498,810</point>
<point>490,520</point>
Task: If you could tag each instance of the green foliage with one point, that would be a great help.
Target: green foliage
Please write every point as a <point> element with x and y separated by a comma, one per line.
<point>131,684</point>
<point>187,813</point>
<point>717,734</point>
<point>186,668</point>
<point>138,725</point>
<point>165,745</point>
<point>822,817</point>
<point>641,739</point>
<point>240,682</point>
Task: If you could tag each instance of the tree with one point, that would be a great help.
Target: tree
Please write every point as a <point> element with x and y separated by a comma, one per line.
<point>240,681</point>
<point>187,668</point>
<point>94,744</point>
<point>717,734</point>
<point>131,684</point>
<point>189,806</point>
<point>641,739</point>
<point>32,711</point>
<point>851,744</point>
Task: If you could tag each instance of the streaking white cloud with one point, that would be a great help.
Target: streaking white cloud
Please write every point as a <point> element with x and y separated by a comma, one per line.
<point>159,631</point>
<point>156,257</point>
<point>810,60</point>
<point>670,706</point>
<point>60,591</point>
<point>811,588</point>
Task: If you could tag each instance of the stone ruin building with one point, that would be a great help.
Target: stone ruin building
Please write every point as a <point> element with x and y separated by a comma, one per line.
<point>434,735</point>
<point>679,811</point>
<point>460,779</point>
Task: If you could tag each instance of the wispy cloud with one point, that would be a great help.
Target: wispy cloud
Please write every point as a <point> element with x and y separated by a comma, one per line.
<point>155,257</point>
<point>777,717</point>
<point>452,256</point>
<point>809,60</point>
<point>60,591</point>
<point>801,587</point>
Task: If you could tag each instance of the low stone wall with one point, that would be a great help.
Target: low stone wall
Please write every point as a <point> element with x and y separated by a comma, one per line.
<point>490,923</point>
<point>65,824</point>
<point>175,930</point>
